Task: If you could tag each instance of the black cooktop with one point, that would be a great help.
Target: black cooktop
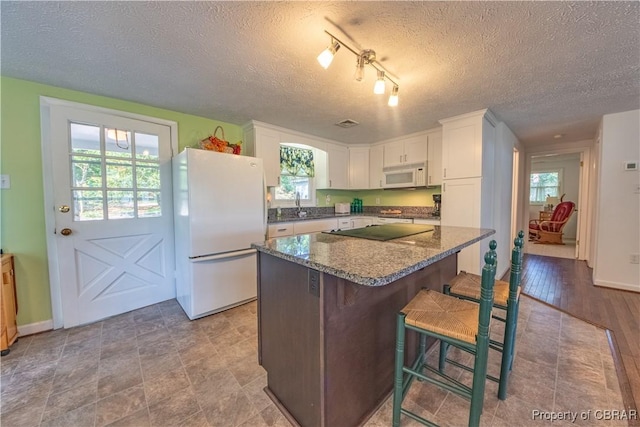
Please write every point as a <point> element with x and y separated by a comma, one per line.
<point>384,232</point>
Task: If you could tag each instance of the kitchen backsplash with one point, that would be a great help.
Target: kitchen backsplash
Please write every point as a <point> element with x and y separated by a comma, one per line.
<point>367,210</point>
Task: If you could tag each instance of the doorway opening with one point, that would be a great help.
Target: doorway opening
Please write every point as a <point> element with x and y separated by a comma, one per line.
<point>553,177</point>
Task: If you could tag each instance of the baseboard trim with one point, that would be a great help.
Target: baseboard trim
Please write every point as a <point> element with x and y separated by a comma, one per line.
<point>34,328</point>
<point>615,285</point>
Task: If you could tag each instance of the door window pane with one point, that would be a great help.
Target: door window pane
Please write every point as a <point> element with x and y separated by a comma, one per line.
<point>148,204</point>
<point>87,171</point>
<point>87,205</point>
<point>148,176</point>
<point>120,204</point>
<point>85,139</point>
<point>119,174</point>
<point>102,158</point>
<point>146,146</point>
<point>117,142</point>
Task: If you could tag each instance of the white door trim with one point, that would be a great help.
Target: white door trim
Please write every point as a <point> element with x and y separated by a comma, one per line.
<point>585,191</point>
<point>46,104</point>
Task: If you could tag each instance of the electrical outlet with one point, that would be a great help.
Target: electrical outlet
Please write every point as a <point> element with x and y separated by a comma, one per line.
<point>634,258</point>
<point>5,181</point>
<point>328,199</point>
<point>314,282</point>
<point>377,200</point>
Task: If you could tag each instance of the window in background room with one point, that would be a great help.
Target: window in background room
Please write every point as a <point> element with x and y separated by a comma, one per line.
<point>297,170</point>
<point>545,184</point>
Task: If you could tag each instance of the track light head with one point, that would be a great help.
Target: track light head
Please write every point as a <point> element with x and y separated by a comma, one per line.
<point>393,99</point>
<point>327,55</point>
<point>379,87</point>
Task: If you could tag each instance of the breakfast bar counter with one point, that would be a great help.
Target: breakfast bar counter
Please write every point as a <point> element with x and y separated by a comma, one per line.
<point>326,315</point>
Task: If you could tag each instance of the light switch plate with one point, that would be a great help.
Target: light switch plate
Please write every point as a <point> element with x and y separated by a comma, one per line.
<point>5,181</point>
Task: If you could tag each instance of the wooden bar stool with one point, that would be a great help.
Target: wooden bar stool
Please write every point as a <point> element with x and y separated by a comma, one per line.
<point>506,297</point>
<point>461,323</point>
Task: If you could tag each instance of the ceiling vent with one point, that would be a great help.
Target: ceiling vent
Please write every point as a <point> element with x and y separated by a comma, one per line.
<point>348,123</point>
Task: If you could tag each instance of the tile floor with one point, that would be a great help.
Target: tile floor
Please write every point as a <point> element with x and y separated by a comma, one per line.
<point>154,367</point>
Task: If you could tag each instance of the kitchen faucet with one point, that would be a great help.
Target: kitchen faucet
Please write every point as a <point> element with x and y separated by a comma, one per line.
<point>300,213</point>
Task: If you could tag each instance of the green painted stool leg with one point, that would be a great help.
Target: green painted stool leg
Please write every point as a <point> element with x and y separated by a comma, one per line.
<point>507,352</point>
<point>515,330</point>
<point>398,377</point>
<point>444,347</point>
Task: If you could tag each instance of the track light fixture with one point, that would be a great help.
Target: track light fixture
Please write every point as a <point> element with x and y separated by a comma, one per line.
<point>364,57</point>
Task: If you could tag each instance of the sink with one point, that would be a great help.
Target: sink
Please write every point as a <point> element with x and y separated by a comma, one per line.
<point>302,214</point>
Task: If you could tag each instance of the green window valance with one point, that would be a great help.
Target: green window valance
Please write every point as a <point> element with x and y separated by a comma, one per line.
<point>296,161</point>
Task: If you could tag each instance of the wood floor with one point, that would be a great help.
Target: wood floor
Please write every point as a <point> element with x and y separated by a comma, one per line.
<point>567,284</point>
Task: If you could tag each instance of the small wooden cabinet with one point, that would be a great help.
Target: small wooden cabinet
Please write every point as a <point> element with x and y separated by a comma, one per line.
<point>545,215</point>
<point>8,305</point>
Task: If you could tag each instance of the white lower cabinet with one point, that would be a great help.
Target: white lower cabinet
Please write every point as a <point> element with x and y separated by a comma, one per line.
<point>426,221</point>
<point>315,225</point>
<point>382,220</point>
<point>361,222</point>
<point>345,223</point>
<point>281,229</point>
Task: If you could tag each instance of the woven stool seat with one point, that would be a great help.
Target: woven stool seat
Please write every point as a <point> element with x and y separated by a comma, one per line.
<point>444,315</point>
<point>468,285</point>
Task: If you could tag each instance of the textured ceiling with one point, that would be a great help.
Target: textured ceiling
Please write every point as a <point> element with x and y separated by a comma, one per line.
<point>542,67</point>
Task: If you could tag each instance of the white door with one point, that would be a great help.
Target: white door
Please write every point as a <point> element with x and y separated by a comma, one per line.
<point>113,210</point>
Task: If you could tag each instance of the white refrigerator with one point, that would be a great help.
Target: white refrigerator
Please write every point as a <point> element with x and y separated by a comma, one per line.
<point>220,209</point>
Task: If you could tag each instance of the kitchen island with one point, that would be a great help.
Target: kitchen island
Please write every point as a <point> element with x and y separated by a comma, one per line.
<point>326,316</point>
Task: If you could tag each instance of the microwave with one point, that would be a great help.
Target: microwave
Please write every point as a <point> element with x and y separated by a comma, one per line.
<point>401,178</point>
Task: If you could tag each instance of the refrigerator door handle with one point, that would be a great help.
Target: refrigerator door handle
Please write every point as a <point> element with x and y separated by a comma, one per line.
<point>223,256</point>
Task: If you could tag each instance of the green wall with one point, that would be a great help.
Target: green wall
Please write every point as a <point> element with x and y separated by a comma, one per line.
<point>418,197</point>
<point>22,228</point>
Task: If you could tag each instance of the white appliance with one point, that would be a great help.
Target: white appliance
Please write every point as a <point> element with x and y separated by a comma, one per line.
<point>220,209</point>
<point>343,208</point>
<point>402,178</point>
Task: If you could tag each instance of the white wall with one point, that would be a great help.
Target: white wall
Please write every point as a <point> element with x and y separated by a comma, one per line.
<point>570,165</point>
<point>618,211</point>
<point>503,182</point>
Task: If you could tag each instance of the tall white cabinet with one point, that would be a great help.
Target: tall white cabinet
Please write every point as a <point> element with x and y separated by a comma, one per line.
<point>264,143</point>
<point>376,154</point>
<point>434,158</point>
<point>468,153</point>
<point>359,168</point>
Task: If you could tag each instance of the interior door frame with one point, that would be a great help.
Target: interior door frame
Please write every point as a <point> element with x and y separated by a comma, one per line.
<point>585,191</point>
<point>46,105</point>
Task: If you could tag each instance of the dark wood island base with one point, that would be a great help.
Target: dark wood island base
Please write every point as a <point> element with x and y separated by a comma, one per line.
<point>327,343</point>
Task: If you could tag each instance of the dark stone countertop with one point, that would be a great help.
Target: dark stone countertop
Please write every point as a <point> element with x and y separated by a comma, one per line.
<point>370,262</point>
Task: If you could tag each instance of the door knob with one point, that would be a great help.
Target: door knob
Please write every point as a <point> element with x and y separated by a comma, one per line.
<point>64,208</point>
<point>66,231</point>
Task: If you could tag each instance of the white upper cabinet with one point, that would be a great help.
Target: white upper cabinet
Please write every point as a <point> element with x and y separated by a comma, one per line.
<point>264,143</point>
<point>405,151</point>
<point>337,168</point>
<point>359,168</point>
<point>434,159</point>
<point>375,166</point>
<point>466,144</point>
